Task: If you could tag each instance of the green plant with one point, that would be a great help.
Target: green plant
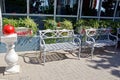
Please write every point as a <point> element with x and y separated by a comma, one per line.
<point>81,24</point>
<point>50,24</point>
<point>105,23</point>
<point>13,22</point>
<point>26,22</point>
<point>29,23</point>
<point>114,25</point>
<point>66,24</point>
<point>94,23</point>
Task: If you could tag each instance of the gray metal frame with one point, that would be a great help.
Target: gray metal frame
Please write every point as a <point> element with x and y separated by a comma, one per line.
<point>100,38</point>
<point>69,45</point>
<point>118,33</point>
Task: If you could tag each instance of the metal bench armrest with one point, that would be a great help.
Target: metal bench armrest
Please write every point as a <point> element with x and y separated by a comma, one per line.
<point>78,40</point>
<point>115,37</point>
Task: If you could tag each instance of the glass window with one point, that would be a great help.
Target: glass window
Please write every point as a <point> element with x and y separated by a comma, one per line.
<point>14,17</point>
<point>108,8</point>
<point>15,6</point>
<point>42,6</point>
<point>118,10</point>
<point>60,19</point>
<point>39,20</point>
<point>90,7</point>
<point>67,7</point>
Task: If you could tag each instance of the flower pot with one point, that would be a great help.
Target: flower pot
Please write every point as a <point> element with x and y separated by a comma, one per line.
<point>23,31</point>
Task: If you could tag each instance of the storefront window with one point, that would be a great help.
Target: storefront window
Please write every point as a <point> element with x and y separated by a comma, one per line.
<point>15,6</point>
<point>118,10</point>
<point>42,6</point>
<point>40,20</point>
<point>60,19</point>
<point>90,7</point>
<point>67,7</point>
<point>108,8</point>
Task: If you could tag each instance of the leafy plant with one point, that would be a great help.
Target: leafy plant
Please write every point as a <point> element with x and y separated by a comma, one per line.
<point>26,22</point>
<point>66,24</point>
<point>29,23</point>
<point>13,22</point>
<point>80,22</point>
<point>105,23</point>
<point>50,24</point>
<point>94,23</point>
<point>81,25</point>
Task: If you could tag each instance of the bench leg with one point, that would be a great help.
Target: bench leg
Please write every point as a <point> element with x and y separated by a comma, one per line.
<point>92,52</point>
<point>79,53</point>
<point>116,48</point>
<point>44,57</point>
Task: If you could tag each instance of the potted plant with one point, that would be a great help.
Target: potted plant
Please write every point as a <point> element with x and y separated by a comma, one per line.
<point>81,25</point>
<point>94,23</point>
<point>50,24</point>
<point>24,26</point>
<point>66,24</point>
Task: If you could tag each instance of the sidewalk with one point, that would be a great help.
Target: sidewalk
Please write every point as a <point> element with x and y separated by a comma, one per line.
<point>104,66</point>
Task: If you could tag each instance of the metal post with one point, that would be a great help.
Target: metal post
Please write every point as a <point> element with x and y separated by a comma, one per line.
<point>78,10</point>
<point>115,10</point>
<point>81,5</point>
<point>99,9</point>
<point>28,5</point>
<point>0,18</point>
<point>55,5</point>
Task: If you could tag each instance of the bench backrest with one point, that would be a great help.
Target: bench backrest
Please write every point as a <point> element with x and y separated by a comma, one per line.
<point>45,34</point>
<point>55,36</point>
<point>118,30</point>
<point>118,33</point>
<point>102,33</point>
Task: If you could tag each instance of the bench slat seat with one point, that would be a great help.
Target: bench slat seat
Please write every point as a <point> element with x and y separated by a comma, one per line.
<point>62,46</point>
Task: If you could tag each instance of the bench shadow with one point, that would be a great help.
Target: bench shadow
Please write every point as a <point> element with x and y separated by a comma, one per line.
<point>31,58</point>
<point>2,69</point>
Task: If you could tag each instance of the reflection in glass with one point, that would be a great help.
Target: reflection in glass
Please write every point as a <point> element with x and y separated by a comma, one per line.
<point>90,7</point>
<point>118,10</point>
<point>15,6</point>
<point>42,6</point>
<point>60,19</point>
<point>39,20</point>
<point>108,8</point>
<point>14,17</point>
<point>67,7</point>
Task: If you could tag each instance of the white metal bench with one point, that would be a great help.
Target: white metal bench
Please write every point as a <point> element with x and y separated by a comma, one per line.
<point>118,33</point>
<point>100,38</point>
<point>63,40</point>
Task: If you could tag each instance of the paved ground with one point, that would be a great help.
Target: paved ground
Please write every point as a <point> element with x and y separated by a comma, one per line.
<point>104,66</point>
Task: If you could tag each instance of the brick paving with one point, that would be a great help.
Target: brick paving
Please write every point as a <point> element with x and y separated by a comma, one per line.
<point>103,66</point>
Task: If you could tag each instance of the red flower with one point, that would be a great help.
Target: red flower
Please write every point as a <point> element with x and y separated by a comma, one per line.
<point>58,24</point>
<point>82,31</point>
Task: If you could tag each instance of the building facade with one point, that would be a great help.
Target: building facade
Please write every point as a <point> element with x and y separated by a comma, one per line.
<point>57,10</point>
<point>60,9</point>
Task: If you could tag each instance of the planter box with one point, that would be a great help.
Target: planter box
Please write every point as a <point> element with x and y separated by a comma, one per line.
<point>23,31</point>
